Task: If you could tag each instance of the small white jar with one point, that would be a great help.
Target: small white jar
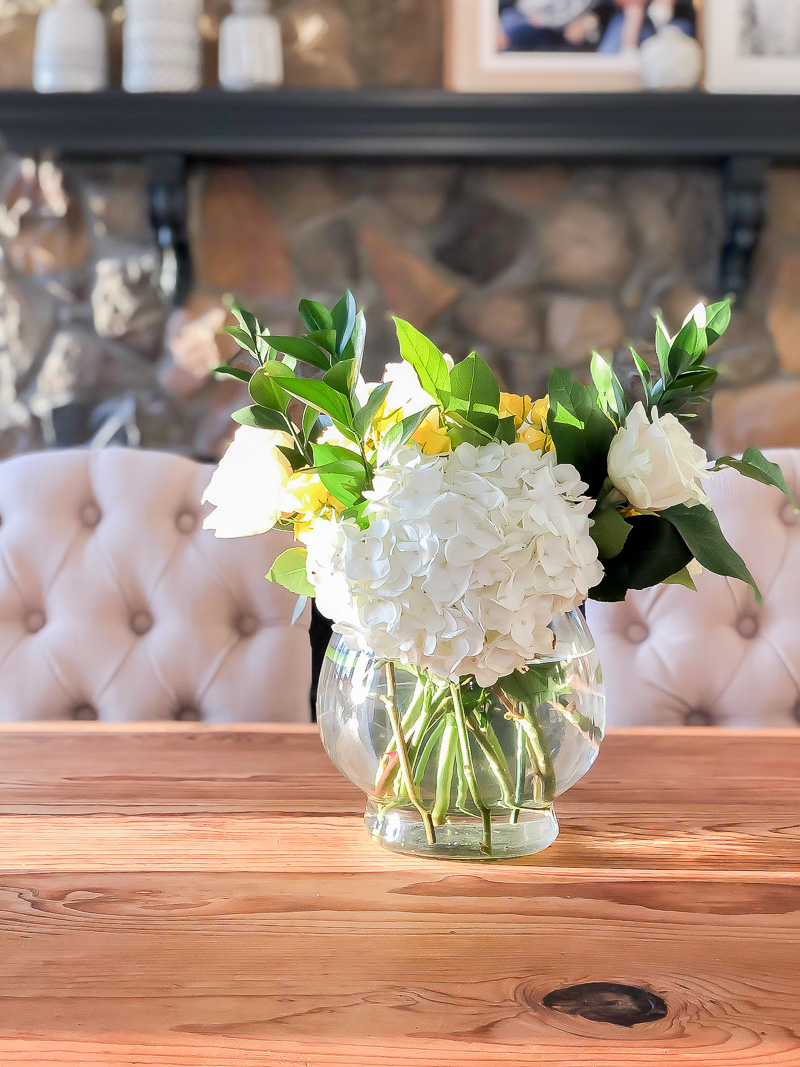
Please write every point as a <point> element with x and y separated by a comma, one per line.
<point>162,46</point>
<point>250,49</point>
<point>71,50</point>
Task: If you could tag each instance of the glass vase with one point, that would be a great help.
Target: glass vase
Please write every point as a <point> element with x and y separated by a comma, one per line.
<point>456,771</point>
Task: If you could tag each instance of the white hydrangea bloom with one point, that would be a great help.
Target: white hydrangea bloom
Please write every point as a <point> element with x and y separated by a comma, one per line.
<point>466,559</point>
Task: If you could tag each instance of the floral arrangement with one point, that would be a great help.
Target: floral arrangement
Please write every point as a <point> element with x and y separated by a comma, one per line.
<point>443,524</point>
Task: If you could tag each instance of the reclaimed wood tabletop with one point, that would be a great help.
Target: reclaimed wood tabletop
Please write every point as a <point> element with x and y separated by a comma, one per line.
<point>207,897</point>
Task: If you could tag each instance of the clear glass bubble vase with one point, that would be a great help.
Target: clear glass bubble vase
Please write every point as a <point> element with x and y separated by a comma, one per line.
<point>455,771</point>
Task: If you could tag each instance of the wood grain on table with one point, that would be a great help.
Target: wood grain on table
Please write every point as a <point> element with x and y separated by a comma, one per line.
<point>208,898</point>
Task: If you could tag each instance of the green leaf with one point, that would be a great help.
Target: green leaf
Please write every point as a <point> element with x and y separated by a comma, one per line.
<point>343,473</point>
<point>265,387</point>
<point>482,436</point>
<point>400,433</point>
<point>299,608</point>
<point>663,345</point>
<point>251,329</point>
<point>685,348</point>
<point>718,319</point>
<point>754,464</point>
<point>675,399</point>
<point>681,578</point>
<point>506,430</point>
<point>324,399</point>
<point>609,532</point>
<point>289,570</point>
<point>604,377</point>
<point>324,339</point>
<point>325,454</point>
<point>297,460</point>
<point>245,318</point>
<point>363,418</point>
<point>427,361</point>
<point>344,320</point>
<point>474,393</point>
<point>302,349</point>
<point>315,316</point>
<point>699,528</point>
<point>313,424</point>
<point>581,432</point>
<point>698,380</point>
<point>535,685</point>
<point>342,377</point>
<point>644,375</point>
<point>354,349</point>
<point>653,552</point>
<point>242,338</point>
<point>234,372</point>
<point>261,418</point>
<point>466,434</point>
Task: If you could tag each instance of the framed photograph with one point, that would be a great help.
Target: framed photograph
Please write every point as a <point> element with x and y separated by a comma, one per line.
<point>752,46</point>
<point>555,45</point>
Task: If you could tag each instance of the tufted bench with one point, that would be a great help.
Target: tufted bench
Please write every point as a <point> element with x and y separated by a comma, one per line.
<point>115,605</point>
<point>715,658</point>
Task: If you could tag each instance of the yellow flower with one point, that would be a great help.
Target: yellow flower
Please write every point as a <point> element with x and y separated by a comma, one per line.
<point>540,410</point>
<point>431,438</point>
<point>537,440</point>
<point>533,431</point>
<point>305,492</point>
<point>518,406</point>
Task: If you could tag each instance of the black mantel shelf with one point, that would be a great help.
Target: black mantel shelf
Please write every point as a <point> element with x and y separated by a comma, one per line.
<point>742,133</point>
<point>403,124</point>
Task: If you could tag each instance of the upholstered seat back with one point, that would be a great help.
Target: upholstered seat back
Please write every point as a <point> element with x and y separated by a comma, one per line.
<point>116,605</point>
<point>671,656</point>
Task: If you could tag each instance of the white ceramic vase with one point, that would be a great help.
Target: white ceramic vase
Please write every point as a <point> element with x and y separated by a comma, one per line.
<point>250,50</point>
<point>71,53</point>
<point>161,46</point>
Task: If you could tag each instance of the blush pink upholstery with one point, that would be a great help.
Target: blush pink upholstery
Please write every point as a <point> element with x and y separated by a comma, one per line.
<point>115,604</point>
<point>714,658</point>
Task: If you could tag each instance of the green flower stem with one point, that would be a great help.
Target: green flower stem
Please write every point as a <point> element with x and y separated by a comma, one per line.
<point>444,774</point>
<point>520,789</point>
<point>387,769</point>
<point>495,762</point>
<point>425,752</point>
<point>390,700</point>
<point>462,793</point>
<point>537,744</point>
<point>543,758</point>
<point>388,761</point>
<point>469,769</point>
<point>423,721</point>
<point>539,756</point>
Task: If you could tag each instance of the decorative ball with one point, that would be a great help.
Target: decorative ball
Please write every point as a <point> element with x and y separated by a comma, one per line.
<point>671,60</point>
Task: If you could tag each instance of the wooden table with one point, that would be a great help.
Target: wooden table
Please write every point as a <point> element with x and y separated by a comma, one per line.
<point>208,898</point>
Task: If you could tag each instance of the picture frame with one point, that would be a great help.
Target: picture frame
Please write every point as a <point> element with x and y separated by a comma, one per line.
<point>474,63</point>
<point>739,58</point>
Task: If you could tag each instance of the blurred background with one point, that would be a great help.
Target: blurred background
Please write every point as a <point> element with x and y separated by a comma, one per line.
<point>534,264</point>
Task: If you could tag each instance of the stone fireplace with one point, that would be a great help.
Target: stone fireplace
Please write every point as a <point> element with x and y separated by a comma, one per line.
<point>534,265</point>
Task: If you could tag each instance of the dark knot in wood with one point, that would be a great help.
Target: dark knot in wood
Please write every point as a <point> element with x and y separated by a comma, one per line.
<point>608,1002</point>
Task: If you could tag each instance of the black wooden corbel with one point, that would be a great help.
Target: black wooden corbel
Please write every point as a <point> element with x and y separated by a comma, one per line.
<point>168,213</point>
<point>745,199</point>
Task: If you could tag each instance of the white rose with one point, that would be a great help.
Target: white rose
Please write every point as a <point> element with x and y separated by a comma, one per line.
<point>657,465</point>
<point>248,486</point>
<point>406,394</point>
